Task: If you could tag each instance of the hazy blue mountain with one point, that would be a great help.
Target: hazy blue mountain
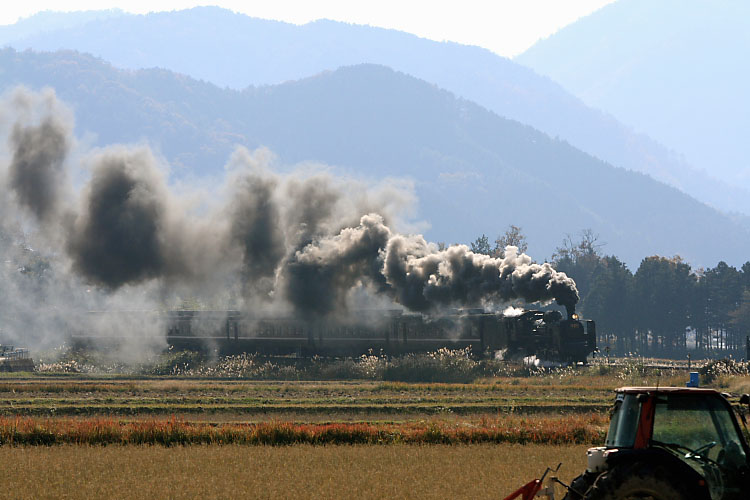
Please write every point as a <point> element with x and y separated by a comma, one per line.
<point>49,21</point>
<point>676,70</point>
<point>235,51</point>
<point>475,172</point>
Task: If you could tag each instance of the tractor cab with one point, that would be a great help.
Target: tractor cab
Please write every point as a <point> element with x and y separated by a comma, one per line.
<point>669,442</point>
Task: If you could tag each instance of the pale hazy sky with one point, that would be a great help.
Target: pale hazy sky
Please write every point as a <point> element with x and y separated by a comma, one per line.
<point>506,27</point>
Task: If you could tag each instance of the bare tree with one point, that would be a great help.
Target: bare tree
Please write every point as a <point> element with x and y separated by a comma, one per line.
<point>587,246</point>
<point>512,236</point>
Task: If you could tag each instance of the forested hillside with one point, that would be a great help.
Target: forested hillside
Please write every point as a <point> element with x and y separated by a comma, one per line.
<point>474,171</point>
<point>234,50</point>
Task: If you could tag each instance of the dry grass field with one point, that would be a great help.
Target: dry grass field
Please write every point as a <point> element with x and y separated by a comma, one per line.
<point>248,400</point>
<point>398,471</point>
<point>81,435</point>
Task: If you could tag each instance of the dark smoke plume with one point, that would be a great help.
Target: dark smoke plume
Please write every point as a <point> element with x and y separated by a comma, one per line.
<point>36,171</point>
<point>313,203</point>
<point>415,274</point>
<point>256,227</point>
<point>117,238</point>
<point>320,275</point>
<point>302,241</point>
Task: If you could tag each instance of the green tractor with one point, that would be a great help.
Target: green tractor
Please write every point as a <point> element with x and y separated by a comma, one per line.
<point>668,443</point>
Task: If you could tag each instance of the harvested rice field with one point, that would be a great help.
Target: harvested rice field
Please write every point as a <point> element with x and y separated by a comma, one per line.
<point>303,471</point>
<point>247,400</point>
<point>99,435</point>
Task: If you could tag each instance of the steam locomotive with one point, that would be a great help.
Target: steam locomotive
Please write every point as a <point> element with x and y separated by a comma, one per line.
<point>544,334</point>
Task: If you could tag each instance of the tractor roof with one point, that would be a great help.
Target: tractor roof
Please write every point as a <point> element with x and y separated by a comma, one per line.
<point>667,390</point>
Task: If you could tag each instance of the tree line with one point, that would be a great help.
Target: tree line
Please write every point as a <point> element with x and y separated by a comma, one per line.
<point>665,308</point>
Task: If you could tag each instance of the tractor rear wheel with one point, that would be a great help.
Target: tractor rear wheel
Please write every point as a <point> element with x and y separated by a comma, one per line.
<point>640,481</point>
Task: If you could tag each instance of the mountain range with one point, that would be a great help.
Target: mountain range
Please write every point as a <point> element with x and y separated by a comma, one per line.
<point>676,70</point>
<point>236,51</point>
<point>474,171</point>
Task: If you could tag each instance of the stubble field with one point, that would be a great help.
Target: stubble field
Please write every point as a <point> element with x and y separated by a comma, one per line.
<point>303,471</point>
<point>107,436</point>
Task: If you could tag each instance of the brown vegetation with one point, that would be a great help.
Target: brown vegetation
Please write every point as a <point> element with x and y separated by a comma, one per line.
<point>573,429</point>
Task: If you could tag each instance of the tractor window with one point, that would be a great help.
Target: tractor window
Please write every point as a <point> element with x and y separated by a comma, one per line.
<point>699,423</point>
<point>624,422</point>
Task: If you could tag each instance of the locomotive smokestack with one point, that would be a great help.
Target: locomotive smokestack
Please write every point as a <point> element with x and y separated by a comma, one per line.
<point>571,309</point>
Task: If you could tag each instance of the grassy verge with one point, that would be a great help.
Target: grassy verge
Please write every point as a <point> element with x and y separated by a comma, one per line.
<point>443,365</point>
